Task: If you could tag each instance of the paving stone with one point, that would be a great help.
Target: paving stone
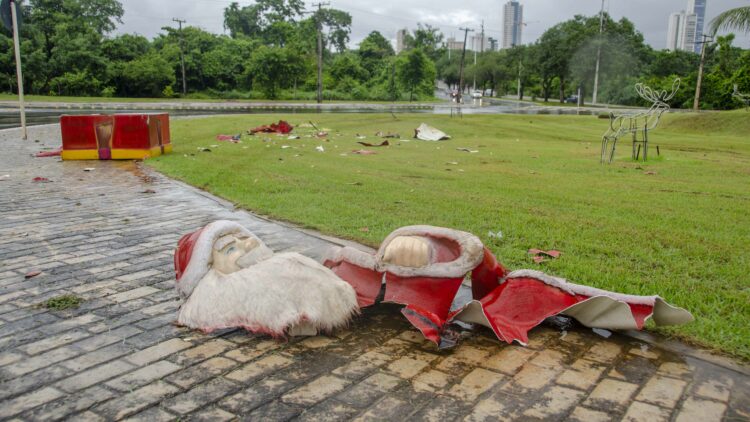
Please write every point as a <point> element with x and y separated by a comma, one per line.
<point>431,381</point>
<point>475,383</point>
<point>63,407</point>
<point>97,357</point>
<point>201,372</point>
<point>316,342</point>
<point>583,374</point>
<point>645,352</point>
<point>390,408</point>
<point>441,408</point>
<point>274,411</point>
<point>265,390</point>
<point>316,391</point>
<point>362,365</point>
<point>489,410</point>
<point>33,380</point>
<point>609,393</point>
<point>94,376</point>
<point>202,352</point>
<point>153,414</point>
<point>158,351</point>
<point>406,367</point>
<point>695,409</point>
<point>604,352</point>
<point>329,410</point>
<point>674,369</point>
<point>28,401</point>
<point>136,401</point>
<point>582,414</point>
<point>662,391</point>
<point>260,367</point>
<point>212,414</point>
<point>199,396</point>
<point>143,376</point>
<point>509,360</point>
<point>554,403</point>
<point>532,377</point>
<point>249,352</point>
<point>715,389</point>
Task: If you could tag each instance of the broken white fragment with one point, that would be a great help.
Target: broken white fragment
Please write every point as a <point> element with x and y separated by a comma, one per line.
<point>320,148</point>
<point>429,133</point>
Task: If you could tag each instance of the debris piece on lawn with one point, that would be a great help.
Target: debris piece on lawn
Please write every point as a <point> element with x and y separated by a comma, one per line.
<point>382,144</point>
<point>452,163</point>
<point>203,149</point>
<point>387,135</point>
<point>322,134</point>
<point>52,153</point>
<point>285,146</point>
<point>231,138</point>
<point>320,148</point>
<point>282,127</point>
<point>355,183</point>
<point>31,274</point>
<point>540,256</point>
<point>358,136</point>
<point>495,235</point>
<point>40,180</point>
<point>293,137</point>
<point>473,151</point>
<point>364,152</point>
<point>429,133</point>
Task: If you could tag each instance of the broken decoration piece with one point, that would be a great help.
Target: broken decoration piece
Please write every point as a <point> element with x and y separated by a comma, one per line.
<point>41,180</point>
<point>363,152</point>
<point>429,133</point>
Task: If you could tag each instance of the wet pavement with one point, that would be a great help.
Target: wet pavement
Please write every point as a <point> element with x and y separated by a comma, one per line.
<point>107,236</point>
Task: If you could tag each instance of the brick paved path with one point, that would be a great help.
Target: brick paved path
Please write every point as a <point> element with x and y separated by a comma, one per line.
<point>97,235</point>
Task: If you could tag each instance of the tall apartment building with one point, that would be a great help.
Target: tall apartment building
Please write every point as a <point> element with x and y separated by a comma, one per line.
<point>401,40</point>
<point>512,23</point>
<point>698,8</point>
<point>685,28</point>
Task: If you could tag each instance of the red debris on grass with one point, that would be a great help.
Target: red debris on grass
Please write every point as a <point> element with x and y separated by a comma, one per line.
<point>541,256</point>
<point>52,153</point>
<point>230,138</point>
<point>40,180</point>
<point>382,144</point>
<point>282,128</point>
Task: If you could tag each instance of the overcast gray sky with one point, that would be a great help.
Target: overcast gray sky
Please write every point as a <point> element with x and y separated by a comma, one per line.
<point>146,17</point>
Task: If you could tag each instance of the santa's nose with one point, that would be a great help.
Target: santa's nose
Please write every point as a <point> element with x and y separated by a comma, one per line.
<point>248,244</point>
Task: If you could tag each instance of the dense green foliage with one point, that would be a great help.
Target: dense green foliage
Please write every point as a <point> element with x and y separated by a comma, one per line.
<point>271,53</point>
<point>564,59</point>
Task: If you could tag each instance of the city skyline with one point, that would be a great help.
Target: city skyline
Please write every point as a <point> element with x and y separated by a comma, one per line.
<point>512,24</point>
<point>146,17</point>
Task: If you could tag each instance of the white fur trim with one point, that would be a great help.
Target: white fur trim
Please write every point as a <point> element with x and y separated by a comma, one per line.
<point>472,253</point>
<point>352,256</point>
<point>272,296</point>
<point>199,262</point>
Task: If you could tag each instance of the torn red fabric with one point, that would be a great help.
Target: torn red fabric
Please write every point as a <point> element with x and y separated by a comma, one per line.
<point>52,153</point>
<point>423,267</point>
<point>282,128</point>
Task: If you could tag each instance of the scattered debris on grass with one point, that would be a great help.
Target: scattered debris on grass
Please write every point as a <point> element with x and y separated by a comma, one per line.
<point>293,137</point>
<point>364,152</point>
<point>429,133</point>
<point>61,303</point>
<point>495,235</point>
<point>203,149</point>
<point>32,274</point>
<point>540,256</point>
<point>473,151</point>
<point>52,153</point>
<point>382,144</point>
<point>320,148</point>
<point>41,180</point>
<point>282,127</point>
<point>229,138</point>
<point>388,135</point>
<point>322,134</point>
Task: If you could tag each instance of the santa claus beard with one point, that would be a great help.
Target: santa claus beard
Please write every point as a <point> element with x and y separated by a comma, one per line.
<point>271,296</point>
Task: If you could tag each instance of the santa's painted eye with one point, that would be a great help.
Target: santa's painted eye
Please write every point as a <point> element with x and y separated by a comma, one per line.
<point>229,250</point>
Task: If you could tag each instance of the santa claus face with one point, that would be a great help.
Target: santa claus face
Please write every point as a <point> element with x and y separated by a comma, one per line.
<point>229,253</point>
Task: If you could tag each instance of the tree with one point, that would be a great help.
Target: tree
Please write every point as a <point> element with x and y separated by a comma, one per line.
<point>427,38</point>
<point>732,19</point>
<point>147,76</point>
<point>373,50</point>
<point>416,72</point>
<point>272,69</point>
<point>254,20</point>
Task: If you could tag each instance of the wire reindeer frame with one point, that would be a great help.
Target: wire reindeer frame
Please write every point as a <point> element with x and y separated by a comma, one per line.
<point>745,98</point>
<point>637,123</point>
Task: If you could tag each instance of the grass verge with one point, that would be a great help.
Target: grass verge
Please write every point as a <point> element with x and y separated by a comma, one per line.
<point>677,226</point>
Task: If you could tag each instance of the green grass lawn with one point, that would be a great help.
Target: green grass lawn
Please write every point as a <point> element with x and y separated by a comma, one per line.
<point>677,226</point>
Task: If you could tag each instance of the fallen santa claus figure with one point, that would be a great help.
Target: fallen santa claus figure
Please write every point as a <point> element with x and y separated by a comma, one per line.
<point>230,279</point>
<point>424,266</point>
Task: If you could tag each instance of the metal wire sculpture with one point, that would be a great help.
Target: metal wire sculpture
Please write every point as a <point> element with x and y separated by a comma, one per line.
<point>745,98</point>
<point>637,123</point>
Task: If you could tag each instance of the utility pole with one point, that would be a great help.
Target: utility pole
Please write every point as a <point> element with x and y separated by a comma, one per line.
<point>474,47</point>
<point>704,43</point>
<point>19,75</point>
<point>182,56</point>
<point>461,68</point>
<point>319,24</point>
<point>598,54</point>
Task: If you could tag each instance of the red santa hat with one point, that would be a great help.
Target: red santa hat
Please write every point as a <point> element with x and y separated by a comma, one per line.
<point>192,258</point>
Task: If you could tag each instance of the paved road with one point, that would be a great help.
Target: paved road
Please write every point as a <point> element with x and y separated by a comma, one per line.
<point>99,236</point>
